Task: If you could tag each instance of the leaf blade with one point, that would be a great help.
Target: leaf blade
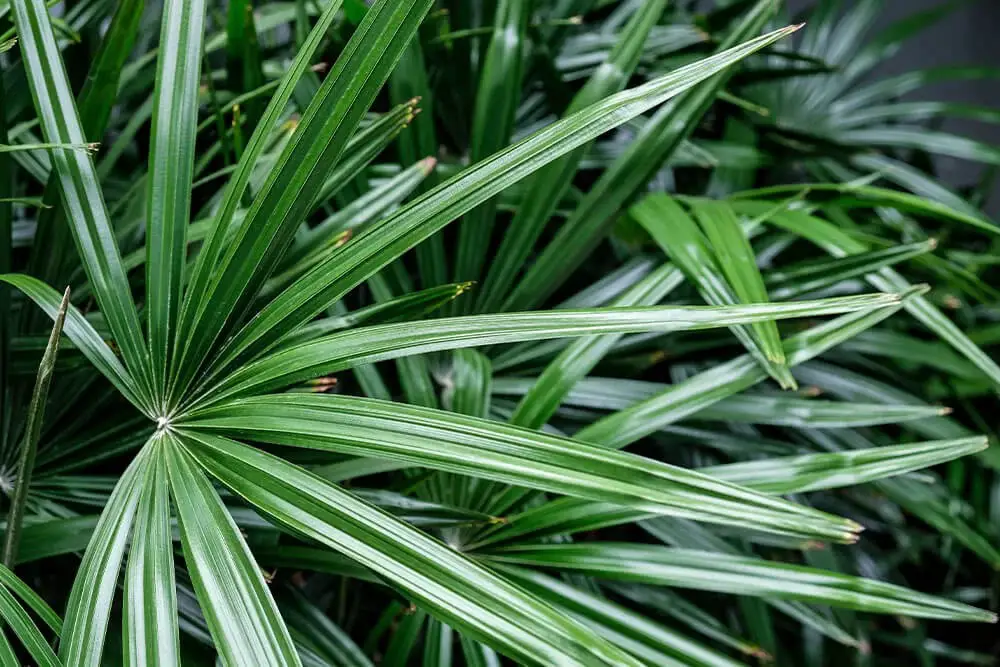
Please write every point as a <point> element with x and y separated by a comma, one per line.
<point>150,622</point>
<point>171,168</point>
<point>241,615</point>
<point>485,605</point>
<point>469,445</point>
<point>431,212</point>
<point>377,343</point>
<point>82,198</point>
<point>706,570</point>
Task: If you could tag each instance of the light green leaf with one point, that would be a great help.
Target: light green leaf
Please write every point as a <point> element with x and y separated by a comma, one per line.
<point>724,573</point>
<point>82,198</point>
<point>377,343</point>
<point>503,453</point>
<point>92,598</point>
<point>454,588</point>
<point>478,183</point>
<point>171,165</point>
<point>150,619</point>
<point>238,607</point>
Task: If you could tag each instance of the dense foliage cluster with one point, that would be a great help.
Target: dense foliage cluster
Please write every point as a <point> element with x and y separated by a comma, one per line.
<point>487,332</point>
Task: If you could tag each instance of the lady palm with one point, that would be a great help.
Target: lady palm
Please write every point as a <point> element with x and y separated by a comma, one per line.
<point>244,307</point>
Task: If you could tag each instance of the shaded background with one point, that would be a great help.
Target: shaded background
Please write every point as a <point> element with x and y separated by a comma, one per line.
<point>968,36</point>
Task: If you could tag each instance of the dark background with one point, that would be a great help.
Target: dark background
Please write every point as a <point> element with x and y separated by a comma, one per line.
<point>968,36</point>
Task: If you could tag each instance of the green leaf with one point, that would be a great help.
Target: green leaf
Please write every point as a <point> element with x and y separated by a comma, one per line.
<point>724,573</point>
<point>852,195</point>
<point>402,646</point>
<point>7,148</point>
<point>659,137</point>
<point>398,309</point>
<point>95,102</point>
<point>258,143</point>
<point>548,186</point>
<point>366,208</point>
<point>922,139</point>
<point>410,81</point>
<point>738,262</point>
<point>414,372</point>
<point>579,358</point>
<point>919,183</point>
<point>32,433</point>
<point>469,391</point>
<point>503,453</point>
<point>816,275</point>
<point>920,111</point>
<point>310,625</point>
<point>909,350</point>
<point>83,336</point>
<point>171,164</point>
<point>55,537</point>
<point>849,385</point>
<point>672,605</point>
<point>238,607</point>
<point>26,630</point>
<point>812,472</point>
<point>835,242</point>
<point>255,246</point>
<point>82,198</point>
<point>619,394</point>
<point>363,147</point>
<point>677,234</point>
<point>388,341</point>
<point>600,293</point>
<point>684,534</point>
<point>471,388</point>
<point>91,600</point>
<point>438,642</point>
<point>150,623</point>
<point>450,585</point>
<point>699,391</point>
<point>478,655</point>
<point>431,212</point>
<point>782,475</point>
<point>497,99</point>
<point>939,513</point>
<point>31,598</point>
<point>243,60</point>
<point>654,643</point>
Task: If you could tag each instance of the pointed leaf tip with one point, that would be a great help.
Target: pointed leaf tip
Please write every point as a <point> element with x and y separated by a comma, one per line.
<point>428,164</point>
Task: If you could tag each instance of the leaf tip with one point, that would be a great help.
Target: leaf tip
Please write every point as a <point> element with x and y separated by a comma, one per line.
<point>428,164</point>
<point>755,651</point>
<point>854,532</point>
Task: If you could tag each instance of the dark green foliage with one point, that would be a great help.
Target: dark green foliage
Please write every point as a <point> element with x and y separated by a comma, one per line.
<point>704,372</point>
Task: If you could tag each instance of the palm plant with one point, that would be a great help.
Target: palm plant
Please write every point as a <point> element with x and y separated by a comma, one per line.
<point>226,404</point>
